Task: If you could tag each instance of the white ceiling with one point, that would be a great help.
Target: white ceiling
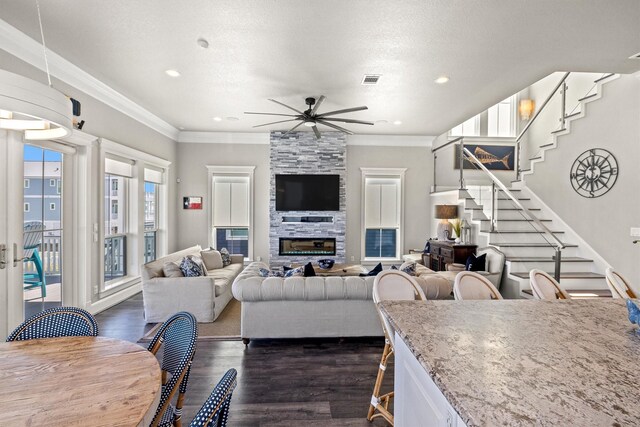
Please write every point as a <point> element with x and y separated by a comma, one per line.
<point>291,49</point>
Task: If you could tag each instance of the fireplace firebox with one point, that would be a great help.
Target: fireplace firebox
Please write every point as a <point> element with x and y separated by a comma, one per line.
<point>307,246</point>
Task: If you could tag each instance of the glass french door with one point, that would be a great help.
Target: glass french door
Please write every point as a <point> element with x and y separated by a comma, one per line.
<point>43,229</point>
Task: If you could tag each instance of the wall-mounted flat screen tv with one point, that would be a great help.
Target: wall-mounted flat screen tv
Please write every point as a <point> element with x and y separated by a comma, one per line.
<point>307,192</point>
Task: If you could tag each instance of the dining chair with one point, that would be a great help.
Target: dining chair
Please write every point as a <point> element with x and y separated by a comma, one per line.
<point>543,286</point>
<point>215,410</point>
<point>56,322</point>
<point>33,232</point>
<point>177,336</point>
<point>472,286</point>
<point>619,286</point>
<point>390,285</point>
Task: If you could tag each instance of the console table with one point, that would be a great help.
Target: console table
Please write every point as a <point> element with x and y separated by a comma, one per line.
<point>444,252</point>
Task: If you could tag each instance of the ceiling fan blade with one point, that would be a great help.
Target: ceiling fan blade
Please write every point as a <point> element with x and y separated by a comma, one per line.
<point>316,131</point>
<point>315,108</point>
<point>272,114</point>
<point>273,123</point>
<point>286,106</point>
<point>331,125</point>
<point>293,128</point>
<point>360,122</point>
<point>346,110</point>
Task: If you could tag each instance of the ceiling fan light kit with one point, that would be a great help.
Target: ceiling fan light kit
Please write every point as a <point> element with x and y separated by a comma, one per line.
<point>311,118</point>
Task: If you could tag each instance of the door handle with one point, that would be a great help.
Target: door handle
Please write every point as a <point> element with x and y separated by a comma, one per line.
<point>3,256</point>
<point>16,260</point>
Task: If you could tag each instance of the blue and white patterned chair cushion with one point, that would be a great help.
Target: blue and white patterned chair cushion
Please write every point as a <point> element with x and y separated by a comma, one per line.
<point>56,322</point>
<point>190,267</point>
<point>215,411</point>
<point>178,336</point>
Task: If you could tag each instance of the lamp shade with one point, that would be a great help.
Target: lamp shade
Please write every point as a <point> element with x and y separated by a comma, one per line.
<point>526,108</point>
<point>446,211</point>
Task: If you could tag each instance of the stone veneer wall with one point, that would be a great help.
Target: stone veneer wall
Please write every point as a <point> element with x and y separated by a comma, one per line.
<point>301,153</point>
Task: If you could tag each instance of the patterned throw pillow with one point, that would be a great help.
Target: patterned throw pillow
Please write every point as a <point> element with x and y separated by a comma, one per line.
<point>299,271</point>
<point>191,268</point>
<point>226,257</point>
<point>410,269</point>
<point>263,272</point>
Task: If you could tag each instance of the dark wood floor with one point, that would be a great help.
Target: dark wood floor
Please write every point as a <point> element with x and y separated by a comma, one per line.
<point>280,382</point>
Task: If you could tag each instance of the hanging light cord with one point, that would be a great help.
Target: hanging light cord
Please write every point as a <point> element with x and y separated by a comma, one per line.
<point>44,47</point>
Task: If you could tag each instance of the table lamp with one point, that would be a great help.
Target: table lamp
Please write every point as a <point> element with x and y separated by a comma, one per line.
<point>444,213</point>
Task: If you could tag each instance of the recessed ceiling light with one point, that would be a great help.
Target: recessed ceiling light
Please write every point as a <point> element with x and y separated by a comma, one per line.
<point>172,73</point>
<point>203,43</point>
<point>232,119</point>
<point>442,80</point>
<point>217,119</point>
<point>382,121</point>
<point>397,122</point>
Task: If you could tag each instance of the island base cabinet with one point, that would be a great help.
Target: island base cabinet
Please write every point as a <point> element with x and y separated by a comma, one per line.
<point>418,401</point>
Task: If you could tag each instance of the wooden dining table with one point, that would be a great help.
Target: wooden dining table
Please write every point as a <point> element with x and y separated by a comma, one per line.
<point>77,381</point>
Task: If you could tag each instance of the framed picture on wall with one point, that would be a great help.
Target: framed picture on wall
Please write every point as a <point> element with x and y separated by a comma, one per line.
<point>192,202</point>
<point>493,157</point>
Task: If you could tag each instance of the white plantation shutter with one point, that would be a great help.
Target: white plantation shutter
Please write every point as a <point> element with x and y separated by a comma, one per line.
<point>382,197</point>
<point>230,201</point>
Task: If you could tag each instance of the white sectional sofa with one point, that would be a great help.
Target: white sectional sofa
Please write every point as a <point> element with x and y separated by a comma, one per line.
<point>308,307</point>
<point>205,297</point>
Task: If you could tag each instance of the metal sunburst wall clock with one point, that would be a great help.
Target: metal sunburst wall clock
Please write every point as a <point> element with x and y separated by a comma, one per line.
<point>594,173</point>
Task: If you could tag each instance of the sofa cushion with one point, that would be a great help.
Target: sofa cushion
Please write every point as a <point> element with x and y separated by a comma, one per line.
<point>226,257</point>
<point>212,259</point>
<point>191,267</point>
<point>171,269</point>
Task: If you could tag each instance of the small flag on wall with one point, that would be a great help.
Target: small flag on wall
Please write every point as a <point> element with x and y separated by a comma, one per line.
<point>192,202</point>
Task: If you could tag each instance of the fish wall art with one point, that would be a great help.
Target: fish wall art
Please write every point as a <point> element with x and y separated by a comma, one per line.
<point>493,157</point>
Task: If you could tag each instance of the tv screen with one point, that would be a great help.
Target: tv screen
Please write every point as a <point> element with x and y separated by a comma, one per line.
<point>307,192</point>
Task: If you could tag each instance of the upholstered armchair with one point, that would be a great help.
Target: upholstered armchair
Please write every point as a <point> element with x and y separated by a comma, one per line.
<point>494,266</point>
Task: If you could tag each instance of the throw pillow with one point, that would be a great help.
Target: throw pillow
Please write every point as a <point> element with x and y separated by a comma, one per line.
<point>212,259</point>
<point>373,272</point>
<point>393,267</point>
<point>191,268</point>
<point>171,269</point>
<point>226,258</point>
<point>263,272</point>
<point>475,263</point>
<point>308,270</point>
<point>291,272</point>
<point>410,269</point>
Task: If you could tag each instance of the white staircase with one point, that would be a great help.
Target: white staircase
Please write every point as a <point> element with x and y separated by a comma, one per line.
<point>526,245</point>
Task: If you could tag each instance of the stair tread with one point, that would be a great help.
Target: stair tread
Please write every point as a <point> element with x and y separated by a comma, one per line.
<point>479,208</point>
<point>518,219</point>
<point>565,275</point>
<point>587,97</point>
<point>502,198</point>
<point>529,245</point>
<point>547,259</point>
<point>546,145</point>
<point>535,158</point>
<point>559,130</point>
<point>604,77</point>
<point>519,231</point>
<point>568,116</point>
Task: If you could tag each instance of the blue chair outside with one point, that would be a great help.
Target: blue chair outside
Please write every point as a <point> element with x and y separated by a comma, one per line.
<point>178,337</point>
<point>32,239</point>
<point>215,410</point>
<point>56,322</point>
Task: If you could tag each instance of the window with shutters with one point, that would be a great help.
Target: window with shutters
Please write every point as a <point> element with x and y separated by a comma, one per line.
<point>231,209</point>
<point>382,213</point>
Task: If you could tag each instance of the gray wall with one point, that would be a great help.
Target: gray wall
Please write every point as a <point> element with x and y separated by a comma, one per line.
<point>612,123</point>
<point>193,225</point>
<point>103,121</point>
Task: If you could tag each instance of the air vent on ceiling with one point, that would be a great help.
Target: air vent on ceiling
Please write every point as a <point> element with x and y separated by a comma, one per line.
<point>371,79</point>
<point>636,56</point>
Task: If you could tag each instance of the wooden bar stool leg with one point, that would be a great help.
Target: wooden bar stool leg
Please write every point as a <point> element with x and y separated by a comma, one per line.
<point>378,402</point>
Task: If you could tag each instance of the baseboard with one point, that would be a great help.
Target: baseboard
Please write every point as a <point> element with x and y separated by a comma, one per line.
<point>111,300</point>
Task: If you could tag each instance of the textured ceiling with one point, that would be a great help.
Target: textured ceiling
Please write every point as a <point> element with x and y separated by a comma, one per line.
<point>291,49</point>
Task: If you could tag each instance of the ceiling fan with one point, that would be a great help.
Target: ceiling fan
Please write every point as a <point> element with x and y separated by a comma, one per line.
<point>311,118</point>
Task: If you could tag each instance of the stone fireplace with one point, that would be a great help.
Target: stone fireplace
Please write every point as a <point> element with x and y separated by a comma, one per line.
<point>301,153</point>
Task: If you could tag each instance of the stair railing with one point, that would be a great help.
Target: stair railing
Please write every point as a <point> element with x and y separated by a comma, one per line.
<point>561,84</point>
<point>558,245</point>
<point>435,162</point>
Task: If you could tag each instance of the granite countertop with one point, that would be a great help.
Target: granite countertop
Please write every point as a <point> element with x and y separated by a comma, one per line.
<point>523,362</point>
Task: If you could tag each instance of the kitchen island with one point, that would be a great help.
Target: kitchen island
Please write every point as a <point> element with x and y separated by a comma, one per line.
<point>515,363</point>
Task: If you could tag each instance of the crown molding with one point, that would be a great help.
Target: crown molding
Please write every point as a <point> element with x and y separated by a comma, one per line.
<point>261,138</point>
<point>29,50</point>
